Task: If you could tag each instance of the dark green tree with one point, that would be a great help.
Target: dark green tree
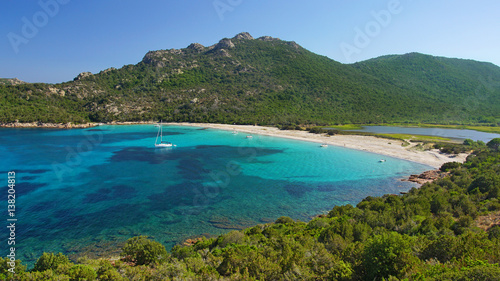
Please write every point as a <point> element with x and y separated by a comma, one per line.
<point>50,261</point>
<point>387,255</point>
<point>494,144</point>
<point>142,250</point>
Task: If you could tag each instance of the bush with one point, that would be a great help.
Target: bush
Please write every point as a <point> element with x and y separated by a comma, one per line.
<point>144,251</point>
<point>284,220</point>
<point>494,232</point>
<point>449,165</point>
<point>494,144</point>
<point>388,254</point>
<point>82,272</point>
<point>232,237</point>
<point>4,267</point>
<point>50,261</point>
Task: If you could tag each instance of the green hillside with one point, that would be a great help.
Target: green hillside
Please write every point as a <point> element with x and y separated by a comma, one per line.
<point>266,81</point>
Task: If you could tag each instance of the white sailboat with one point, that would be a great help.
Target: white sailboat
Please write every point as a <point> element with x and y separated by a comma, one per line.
<point>162,143</point>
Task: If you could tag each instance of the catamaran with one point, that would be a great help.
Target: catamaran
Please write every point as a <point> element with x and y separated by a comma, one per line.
<point>162,143</point>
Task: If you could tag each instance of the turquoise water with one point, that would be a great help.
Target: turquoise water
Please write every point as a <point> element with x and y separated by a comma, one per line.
<point>458,134</point>
<point>83,191</point>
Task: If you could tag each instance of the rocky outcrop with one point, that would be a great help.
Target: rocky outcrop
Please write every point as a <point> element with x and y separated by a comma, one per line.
<point>57,91</point>
<point>197,47</point>
<point>11,81</point>
<point>107,70</point>
<point>224,44</point>
<point>268,38</point>
<point>159,58</point>
<point>82,76</point>
<point>222,53</point>
<point>293,44</point>
<point>427,176</point>
<point>68,125</point>
<point>243,36</point>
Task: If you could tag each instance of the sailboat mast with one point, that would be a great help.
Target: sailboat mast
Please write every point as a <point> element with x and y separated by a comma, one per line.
<point>157,134</point>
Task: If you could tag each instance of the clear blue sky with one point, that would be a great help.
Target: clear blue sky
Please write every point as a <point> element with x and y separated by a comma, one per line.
<point>55,41</point>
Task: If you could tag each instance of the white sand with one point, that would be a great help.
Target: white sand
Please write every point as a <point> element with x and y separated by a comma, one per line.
<point>381,146</point>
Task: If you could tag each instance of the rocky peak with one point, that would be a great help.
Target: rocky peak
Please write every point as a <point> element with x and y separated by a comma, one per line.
<point>293,44</point>
<point>268,38</point>
<point>224,44</point>
<point>243,36</point>
<point>11,81</point>
<point>158,58</point>
<point>197,47</point>
<point>107,70</point>
<point>82,75</point>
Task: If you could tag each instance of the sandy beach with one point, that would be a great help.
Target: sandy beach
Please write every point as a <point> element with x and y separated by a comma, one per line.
<point>381,146</point>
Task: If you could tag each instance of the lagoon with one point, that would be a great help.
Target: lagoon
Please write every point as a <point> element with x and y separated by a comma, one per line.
<point>458,134</point>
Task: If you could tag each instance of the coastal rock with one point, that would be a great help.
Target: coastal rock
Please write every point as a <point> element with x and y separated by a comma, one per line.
<point>191,242</point>
<point>82,75</point>
<point>427,176</point>
<point>39,124</point>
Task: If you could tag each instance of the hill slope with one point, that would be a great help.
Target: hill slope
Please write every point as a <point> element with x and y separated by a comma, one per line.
<point>265,81</point>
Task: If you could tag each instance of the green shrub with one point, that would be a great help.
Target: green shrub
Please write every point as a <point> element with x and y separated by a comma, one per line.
<point>82,272</point>
<point>449,165</point>
<point>50,261</point>
<point>284,220</point>
<point>494,144</point>
<point>388,254</point>
<point>141,250</point>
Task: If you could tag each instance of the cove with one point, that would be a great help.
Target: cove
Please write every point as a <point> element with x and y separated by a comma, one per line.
<point>85,191</point>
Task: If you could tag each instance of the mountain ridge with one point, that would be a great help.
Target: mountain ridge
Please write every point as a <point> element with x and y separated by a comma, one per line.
<point>265,81</point>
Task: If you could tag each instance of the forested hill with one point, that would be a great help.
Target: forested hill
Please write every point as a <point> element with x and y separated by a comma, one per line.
<point>265,81</point>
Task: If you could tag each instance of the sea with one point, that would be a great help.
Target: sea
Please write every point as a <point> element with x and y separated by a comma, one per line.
<point>84,192</point>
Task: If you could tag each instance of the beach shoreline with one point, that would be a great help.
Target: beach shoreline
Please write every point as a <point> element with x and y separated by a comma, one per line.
<point>381,146</point>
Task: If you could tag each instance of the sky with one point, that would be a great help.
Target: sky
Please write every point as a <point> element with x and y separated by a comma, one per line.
<point>52,41</point>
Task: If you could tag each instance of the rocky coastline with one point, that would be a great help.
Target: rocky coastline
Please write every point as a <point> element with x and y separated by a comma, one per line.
<point>68,125</point>
<point>427,176</point>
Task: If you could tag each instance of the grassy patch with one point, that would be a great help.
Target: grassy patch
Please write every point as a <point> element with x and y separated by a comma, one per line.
<point>346,127</point>
<point>414,137</point>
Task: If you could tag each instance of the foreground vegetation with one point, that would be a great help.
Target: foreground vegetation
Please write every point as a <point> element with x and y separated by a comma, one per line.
<point>441,231</point>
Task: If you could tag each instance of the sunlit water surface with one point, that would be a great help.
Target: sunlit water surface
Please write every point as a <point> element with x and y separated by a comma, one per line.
<point>82,191</point>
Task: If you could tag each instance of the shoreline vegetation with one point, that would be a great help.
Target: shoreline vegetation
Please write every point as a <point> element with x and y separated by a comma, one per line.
<point>448,229</point>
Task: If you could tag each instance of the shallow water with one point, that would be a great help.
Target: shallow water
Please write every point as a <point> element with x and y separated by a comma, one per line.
<point>85,187</point>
